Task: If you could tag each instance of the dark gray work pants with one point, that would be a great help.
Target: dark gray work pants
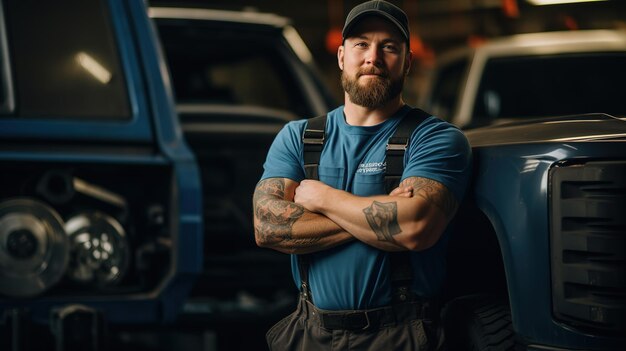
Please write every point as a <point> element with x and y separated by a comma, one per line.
<point>398,327</point>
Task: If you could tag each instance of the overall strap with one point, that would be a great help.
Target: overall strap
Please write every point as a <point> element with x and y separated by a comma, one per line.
<point>397,145</point>
<point>401,275</point>
<point>313,140</point>
<point>400,262</point>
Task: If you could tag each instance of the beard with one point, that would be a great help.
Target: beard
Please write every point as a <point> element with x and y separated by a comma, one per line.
<point>376,92</point>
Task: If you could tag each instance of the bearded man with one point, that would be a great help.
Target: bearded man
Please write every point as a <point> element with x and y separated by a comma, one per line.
<point>369,259</point>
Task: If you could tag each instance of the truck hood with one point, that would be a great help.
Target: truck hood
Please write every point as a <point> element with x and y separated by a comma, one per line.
<point>579,128</point>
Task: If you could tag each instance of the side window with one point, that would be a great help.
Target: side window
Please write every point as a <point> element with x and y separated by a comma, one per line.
<point>232,66</point>
<point>64,60</point>
<point>446,91</point>
<point>551,85</point>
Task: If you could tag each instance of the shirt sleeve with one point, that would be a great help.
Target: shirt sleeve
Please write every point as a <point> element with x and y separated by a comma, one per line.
<point>441,152</point>
<point>284,158</point>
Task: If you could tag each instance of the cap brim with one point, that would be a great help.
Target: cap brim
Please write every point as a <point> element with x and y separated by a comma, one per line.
<point>374,12</point>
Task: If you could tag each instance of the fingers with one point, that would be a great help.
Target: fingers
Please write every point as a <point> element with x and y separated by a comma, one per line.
<point>406,191</point>
<point>396,191</point>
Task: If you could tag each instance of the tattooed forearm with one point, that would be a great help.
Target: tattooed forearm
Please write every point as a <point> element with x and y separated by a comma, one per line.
<point>271,186</point>
<point>274,215</point>
<point>434,192</point>
<point>383,219</point>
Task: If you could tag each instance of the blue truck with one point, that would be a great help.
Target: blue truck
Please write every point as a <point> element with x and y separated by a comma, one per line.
<point>100,202</point>
<point>537,258</point>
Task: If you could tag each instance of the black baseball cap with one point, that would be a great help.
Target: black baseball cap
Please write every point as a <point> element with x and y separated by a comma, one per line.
<point>380,8</point>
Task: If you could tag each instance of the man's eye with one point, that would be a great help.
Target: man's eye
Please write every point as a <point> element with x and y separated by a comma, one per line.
<point>361,44</point>
<point>390,48</point>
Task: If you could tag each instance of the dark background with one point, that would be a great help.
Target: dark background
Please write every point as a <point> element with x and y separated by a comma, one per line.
<point>436,25</point>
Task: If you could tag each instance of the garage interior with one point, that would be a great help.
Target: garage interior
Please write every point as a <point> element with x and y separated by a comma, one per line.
<point>221,315</point>
<point>436,25</point>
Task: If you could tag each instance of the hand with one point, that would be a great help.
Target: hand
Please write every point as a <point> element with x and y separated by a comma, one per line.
<point>402,191</point>
<point>310,194</point>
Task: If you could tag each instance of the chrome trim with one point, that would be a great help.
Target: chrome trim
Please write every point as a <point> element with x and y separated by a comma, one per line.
<point>217,15</point>
<point>579,128</point>
<point>5,69</point>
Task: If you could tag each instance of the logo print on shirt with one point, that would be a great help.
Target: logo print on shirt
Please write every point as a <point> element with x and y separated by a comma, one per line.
<point>372,167</point>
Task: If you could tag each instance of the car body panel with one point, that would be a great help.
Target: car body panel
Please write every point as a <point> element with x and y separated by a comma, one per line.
<point>512,181</point>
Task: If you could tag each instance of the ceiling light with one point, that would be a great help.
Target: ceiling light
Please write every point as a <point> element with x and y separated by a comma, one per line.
<point>94,67</point>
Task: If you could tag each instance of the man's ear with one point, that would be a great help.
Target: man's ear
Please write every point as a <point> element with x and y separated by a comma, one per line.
<point>409,59</point>
<point>340,57</point>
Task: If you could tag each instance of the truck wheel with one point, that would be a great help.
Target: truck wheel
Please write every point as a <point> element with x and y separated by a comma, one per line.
<point>478,323</point>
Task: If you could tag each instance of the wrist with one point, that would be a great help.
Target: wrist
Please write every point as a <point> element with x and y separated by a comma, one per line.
<point>325,199</point>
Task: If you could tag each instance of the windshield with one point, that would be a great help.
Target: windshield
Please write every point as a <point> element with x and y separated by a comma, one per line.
<point>553,85</point>
<point>68,65</point>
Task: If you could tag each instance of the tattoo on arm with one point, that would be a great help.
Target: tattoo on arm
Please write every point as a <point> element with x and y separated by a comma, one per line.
<point>276,215</point>
<point>433,192</point>
<point>383,219</point>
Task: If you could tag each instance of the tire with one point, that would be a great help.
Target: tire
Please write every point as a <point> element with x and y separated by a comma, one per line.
<point>478,323</point>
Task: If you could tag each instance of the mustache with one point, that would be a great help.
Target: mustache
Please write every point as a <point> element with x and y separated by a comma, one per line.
<point>378,72</point>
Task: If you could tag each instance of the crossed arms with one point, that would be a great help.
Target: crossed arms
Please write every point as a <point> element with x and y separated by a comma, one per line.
<point>310,216</point>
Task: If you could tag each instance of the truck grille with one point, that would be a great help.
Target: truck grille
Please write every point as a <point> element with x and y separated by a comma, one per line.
<point>588,245</point>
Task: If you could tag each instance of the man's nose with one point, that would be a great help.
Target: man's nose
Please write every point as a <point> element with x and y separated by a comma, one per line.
<point>374,56</point>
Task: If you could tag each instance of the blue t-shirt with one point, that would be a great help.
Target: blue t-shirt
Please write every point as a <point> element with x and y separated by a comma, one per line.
<point>355,275</point>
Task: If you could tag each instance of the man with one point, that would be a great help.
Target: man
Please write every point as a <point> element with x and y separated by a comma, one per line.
<point>342,230</point>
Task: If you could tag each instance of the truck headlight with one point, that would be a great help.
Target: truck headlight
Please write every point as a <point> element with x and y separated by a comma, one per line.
<point>98,249</point>
<point>34,249</point>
